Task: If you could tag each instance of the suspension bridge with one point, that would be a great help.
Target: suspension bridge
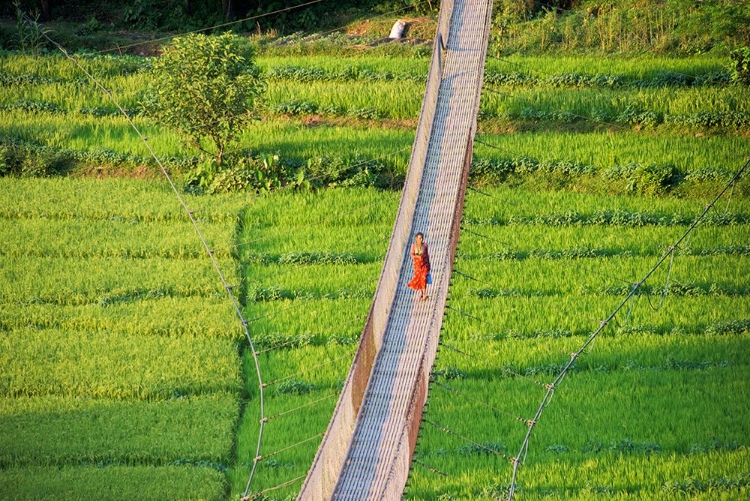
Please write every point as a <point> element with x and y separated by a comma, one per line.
<point>367,449</point>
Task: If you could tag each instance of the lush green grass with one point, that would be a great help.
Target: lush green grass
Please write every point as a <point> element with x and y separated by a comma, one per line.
<point>170,316</point>
<point>112,483</point>
<point>539,293</point>
<point>70,281</point>
<point>114,322</point>
<point>112,200</point>
<point>47,104</point>
<point>606,150</point>
<point>111,238</point>
<point>114,365</point>
<point>121,369</point>
<point>131,432</point>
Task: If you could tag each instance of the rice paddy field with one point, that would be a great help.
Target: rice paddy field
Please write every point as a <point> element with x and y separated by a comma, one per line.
<point>124,370</point>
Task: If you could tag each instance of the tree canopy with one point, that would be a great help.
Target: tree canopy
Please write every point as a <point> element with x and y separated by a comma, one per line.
<point>207,88</point>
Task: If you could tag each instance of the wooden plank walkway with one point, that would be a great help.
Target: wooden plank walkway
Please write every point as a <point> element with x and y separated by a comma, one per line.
<point>369,444</point>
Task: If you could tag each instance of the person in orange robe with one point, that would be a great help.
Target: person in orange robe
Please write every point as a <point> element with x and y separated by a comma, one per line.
<point>421,258</point>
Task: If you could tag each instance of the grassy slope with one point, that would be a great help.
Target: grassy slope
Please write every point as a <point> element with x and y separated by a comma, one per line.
<point>543,290</point>
<point>612,414</point>
<point>120,370</point>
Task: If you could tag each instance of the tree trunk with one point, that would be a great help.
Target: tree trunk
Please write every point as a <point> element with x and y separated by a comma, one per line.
<point>227,6</point>
<point>45,14</point>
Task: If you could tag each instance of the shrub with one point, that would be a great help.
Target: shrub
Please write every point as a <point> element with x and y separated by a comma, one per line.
<point>206,87</point>
<point>741,65</point>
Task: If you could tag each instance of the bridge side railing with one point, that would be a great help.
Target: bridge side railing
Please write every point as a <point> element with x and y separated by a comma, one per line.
<point>328,462</point>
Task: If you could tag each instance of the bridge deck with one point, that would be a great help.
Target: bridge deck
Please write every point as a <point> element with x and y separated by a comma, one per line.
<point>403,330</point>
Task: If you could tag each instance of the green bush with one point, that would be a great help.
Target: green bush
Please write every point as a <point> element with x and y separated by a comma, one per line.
<point>207,88</point>
<point>22,161</point>
<point>741,65</point>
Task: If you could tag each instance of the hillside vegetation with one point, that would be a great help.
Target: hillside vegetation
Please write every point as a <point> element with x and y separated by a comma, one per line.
<point>124,373</point>
<point>676,27</point>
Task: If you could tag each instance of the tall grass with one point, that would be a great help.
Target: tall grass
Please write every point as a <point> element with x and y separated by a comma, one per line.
<point>112,199</point>
<point>632,68</point>
<point>108,280</point>
<point>114,365</point>
<point>119,238</point>
<point>169,316</point>
<point>114,482</point>
<point>610,104</point>
<point>131,433</point>
<point>89,133</point>
<point>505,242</point>
<point>607,150</point>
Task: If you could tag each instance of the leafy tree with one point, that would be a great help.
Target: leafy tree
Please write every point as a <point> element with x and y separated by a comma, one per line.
<point>741,65</point>
<point>207,88</point>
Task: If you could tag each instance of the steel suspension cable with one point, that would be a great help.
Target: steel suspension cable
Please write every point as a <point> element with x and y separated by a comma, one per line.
<point>480,402</point>
<point>251,18</point>
<point>550,391</point>
<point>292,342</point>
<point>448,431</point>
<point>222,25</point>
<point>430,468</point>
<point>196,227</point>
<point>262,494</point>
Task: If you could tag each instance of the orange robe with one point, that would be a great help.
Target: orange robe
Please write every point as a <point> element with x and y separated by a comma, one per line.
<point>421,267</point>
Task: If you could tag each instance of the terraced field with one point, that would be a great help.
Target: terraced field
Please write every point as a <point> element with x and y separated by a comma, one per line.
<point>123,369</point>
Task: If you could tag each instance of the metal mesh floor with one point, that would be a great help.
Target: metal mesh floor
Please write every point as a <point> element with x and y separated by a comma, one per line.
<point>379,452</point>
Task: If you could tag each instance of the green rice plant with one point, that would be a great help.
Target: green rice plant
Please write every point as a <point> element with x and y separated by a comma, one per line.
<point>81,94</point>
<point>523,206</point>
<point>56,66</point>
<point>526,316</point>
<point>337,208</point>
<point>637,352</point>
<point>647,179</point>
<point>631,68</point>
<point>318,367</point>
<point>515,242</point>
<point>121,433</point>
<point>119,200</point>
<point>616,105</point>
<point>167,316</point>
<point>74,281</point>
<point>115,366</point>
<point>360,244</point>
<point>604,150</point>
<point>116,330</point>
<point>363,67</point>
<point>112,483</point>
<point>91,133</point>
<point>689,275</point>
<point>332,320</point>
<point>296,141</point>
<point>121,238</point>
<point>314,281</point>
<point>608,475</point>
<point>615,218</point>
<point>401,101</point>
